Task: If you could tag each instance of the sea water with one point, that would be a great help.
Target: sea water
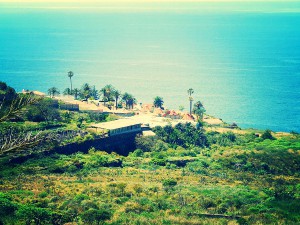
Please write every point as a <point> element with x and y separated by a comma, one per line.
<point>243,65</point>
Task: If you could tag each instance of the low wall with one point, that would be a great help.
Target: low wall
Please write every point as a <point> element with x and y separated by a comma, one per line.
<point>70,107</point>
<point>121,144</point>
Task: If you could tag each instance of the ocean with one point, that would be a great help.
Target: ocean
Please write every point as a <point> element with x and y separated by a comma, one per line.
<point>244,65</point>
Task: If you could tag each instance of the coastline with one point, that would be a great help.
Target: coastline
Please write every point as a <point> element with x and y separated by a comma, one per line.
<point>152,119</point>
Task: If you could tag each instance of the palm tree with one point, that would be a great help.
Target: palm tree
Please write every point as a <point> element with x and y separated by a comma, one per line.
<point>129,100</point>
<point>53,91</point>
<point>67,91</point>
<point>117,94</point>
<point>125,98</point>
<point>107,92</point>
<point>76,93</point>
<point>158,102</point>
<point>94,93</point>
<point>190,92</point>
<point>198,105</point>
<point>70,75</point>
<point>199,110</point>
<point>86,91</point>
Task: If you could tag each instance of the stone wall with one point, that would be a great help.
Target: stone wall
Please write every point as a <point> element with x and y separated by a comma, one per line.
<point>121,144</point>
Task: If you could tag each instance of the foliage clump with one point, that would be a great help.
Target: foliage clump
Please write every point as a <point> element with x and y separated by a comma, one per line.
<point>185,135</point>
<point>176,177</point>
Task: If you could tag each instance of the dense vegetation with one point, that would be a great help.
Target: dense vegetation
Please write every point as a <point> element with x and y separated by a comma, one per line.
<point>241,179</point>
<point>184,175</point>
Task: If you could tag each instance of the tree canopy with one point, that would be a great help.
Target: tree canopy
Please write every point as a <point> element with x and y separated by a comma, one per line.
<point>199,110</point>
<point>158,102</point>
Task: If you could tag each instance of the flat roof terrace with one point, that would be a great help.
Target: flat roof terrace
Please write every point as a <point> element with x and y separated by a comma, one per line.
<point>117,127</point>
<point>116,124</point>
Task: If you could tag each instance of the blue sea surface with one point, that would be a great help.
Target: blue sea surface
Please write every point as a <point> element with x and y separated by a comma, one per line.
<point>243,66</point>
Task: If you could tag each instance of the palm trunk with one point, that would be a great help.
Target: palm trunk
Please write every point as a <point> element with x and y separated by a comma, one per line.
<point>71,84</point>
<point>190,107</point>
<point>116,103</point>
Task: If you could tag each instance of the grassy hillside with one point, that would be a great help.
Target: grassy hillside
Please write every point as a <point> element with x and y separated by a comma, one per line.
<point>184,175</point>
<point>169,179</point>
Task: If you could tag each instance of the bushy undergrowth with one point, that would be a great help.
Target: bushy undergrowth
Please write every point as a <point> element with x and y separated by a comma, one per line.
<point>241,178</point>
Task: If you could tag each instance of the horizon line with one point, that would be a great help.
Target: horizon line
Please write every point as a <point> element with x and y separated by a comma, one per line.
<point>144,1</point>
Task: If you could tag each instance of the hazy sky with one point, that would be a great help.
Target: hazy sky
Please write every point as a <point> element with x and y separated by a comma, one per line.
<point>155,5</point>
<point>111,1</point>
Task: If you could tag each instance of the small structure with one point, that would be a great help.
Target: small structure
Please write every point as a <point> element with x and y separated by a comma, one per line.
<point>37,93</point>
<point>118,127</point>
<point>171,114</point>
<point>147,107</point>
<point>174,115</point>
<point>158,111</point>
<point>188,116</point>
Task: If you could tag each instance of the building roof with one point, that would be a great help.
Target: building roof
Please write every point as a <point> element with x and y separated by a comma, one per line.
<point>188,117</point>
<point>147,107</point>
<point>148,133</point>
<point>115,124</point>
<point>158,111</point>
<point>173,113</point>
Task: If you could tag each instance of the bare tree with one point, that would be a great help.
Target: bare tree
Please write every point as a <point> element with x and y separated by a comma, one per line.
<point>19,142</point>
<point>12,141</point>
<point>17,107</point>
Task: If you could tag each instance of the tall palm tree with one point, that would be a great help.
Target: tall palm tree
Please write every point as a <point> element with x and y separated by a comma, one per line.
<point>117,95</point>
<point>190,92</point>
<point>70,75</point>
<point>158,102</point>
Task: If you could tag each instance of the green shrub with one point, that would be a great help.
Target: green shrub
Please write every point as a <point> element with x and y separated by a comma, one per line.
<point>169,184</point>
<point>159,162</point>
<point>185,135</point>
<point>94,216</point>
<point>267,135</point>
<point>43,194</point>
<point>29,213</point>
<point>43,111</point>
<point>137,153</point>
<point>222,139</point>
<point>198,167</point>
<point>97,117</point>
<point>81,197</point>
<point>7,207</point>
<point>145,143</point>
